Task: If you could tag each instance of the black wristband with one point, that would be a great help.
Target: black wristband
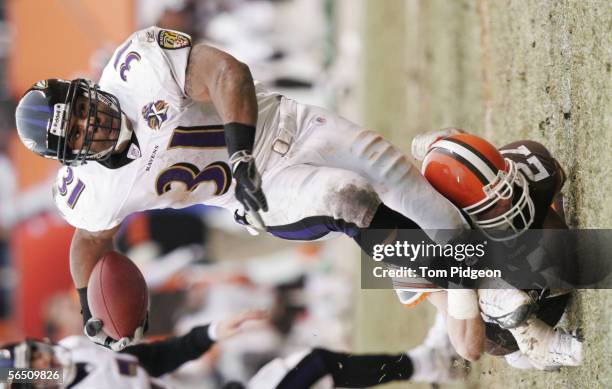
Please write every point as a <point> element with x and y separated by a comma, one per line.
<point>84,304</point>
<point>238,137</point>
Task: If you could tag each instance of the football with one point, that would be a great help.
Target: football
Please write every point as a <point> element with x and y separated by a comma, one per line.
<point>117,295</point>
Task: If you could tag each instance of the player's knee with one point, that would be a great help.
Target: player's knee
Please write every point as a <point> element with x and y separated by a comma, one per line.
<point>379,156</point>
<point>355,202</point>
<point>370,145</point>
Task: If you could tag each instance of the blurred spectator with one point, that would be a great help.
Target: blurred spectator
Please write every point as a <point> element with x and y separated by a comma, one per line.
<point>270,36</point>
<point>62,316</point>
<point>189,16</point>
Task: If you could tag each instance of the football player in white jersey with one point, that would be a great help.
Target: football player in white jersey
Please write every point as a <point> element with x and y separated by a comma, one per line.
<point>170,125</point>
<point>84,364</point>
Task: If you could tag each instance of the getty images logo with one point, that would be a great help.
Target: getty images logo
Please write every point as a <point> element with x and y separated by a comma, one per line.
<point>58,116</point>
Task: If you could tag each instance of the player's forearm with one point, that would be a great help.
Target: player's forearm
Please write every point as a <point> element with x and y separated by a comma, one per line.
<point>167,355</point>
<point>85,251</point>
<point>467,336</point>
<point>233,94</point>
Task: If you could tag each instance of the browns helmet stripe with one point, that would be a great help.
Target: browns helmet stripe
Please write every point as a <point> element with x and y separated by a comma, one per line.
<point>464,162</point>
<point>475,162</point>
<point>475,151</point>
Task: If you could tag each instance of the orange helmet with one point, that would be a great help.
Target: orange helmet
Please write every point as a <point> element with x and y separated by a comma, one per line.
<point>473,175</point>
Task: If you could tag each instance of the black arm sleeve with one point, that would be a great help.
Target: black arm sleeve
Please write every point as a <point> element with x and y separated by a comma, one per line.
<point>238,137</point>
<point>164,356</point>
<point>85,312</point>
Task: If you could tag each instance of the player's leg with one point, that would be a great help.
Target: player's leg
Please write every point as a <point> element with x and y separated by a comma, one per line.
<point>347,370</point>
<point>432,361</point>
<point>325,139</point>
<point>518,360</point>
<point>435,360</point>
<point>546,307</point>
<point>546,347</point>
<point>308,202</point>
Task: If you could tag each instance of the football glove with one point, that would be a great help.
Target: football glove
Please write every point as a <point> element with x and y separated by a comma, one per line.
<point>93,330</point>
<point>248,186</point>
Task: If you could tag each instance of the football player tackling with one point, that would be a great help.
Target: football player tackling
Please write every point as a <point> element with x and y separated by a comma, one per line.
<point>504,192</point>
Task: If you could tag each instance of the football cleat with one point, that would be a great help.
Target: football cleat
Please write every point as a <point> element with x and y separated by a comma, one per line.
<point>507,308</point>
<point>518,360</point>
<point>547,348</point>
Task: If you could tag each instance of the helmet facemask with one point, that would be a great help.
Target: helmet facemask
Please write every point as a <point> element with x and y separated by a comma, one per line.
<point>116,123</point>
<point>517,219</point>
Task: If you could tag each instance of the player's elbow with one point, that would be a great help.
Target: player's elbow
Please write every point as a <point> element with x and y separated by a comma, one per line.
<point>233,66</point>
<point>97,241</point>
<point>234,73</point>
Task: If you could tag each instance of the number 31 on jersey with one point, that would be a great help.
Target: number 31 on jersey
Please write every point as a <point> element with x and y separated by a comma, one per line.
<point>69,191</point>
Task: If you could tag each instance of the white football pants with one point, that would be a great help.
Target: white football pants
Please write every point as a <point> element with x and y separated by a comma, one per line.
<point>326,173</point>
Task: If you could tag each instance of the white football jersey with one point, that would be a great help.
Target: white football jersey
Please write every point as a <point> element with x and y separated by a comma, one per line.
<point>107,369</point>
<point>180,159</point>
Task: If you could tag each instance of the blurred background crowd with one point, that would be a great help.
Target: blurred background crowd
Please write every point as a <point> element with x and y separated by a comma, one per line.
<point>200,266</point>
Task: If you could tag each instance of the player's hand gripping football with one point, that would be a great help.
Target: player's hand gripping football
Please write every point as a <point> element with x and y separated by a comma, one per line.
<point>248,186</point>
<point>93,330</point>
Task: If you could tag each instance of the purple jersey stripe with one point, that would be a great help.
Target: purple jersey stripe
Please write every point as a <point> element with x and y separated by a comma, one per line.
<point>198,137</point>
<point>313,228</point>
<point>312,233</point>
